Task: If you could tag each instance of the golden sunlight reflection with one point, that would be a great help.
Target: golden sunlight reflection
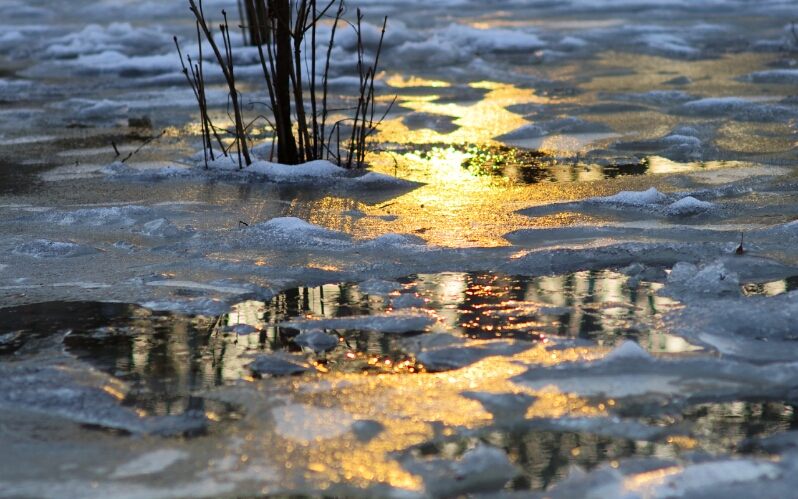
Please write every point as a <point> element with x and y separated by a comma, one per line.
<point>408,408</point>
<point>398,81</point>
<point>479,122</point>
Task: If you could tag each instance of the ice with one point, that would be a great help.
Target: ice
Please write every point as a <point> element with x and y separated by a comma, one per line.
<point>503,405</point>
<point>711,281</point>
<point>418,344</point>
<point>776,76</point>
<point>57,386</point>
<point>73,75</point>
<point>120,37</point>
<point>450,358</point>
<point>401,242</point>
<point>407,300</point>
<point>304,423</point>
<point>46,248</point>
<point>152,462</point>
<point>688,205</point>
<point>278,364</point>
<point>663,98</point>
<point>633,198</point>
<point>568,125</point>
<point>242,329</point>
<point>378,287</point>
<point>118,216</point>
<point>200,306</point>
<point>227,168</point>
<point>107,63</point>
<point>317,341</point>
<point>713,107</point>
<point>652,478</point>
<point>628,374</point>
<point>482,469</point>
<point>441,124</point>
<point>161,228</point>
<point>667,45</point>
<point>279,233</point>
<point>756,329</point>
<point>399,322</point>
<point>87,109</point>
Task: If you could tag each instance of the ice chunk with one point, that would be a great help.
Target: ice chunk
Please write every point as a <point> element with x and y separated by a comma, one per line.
<point>482,469</point>
<point>86,109</point>
<point>52,384</point>
<point>200,306</point>
<point>281,233</point>
<point>713,107</point>
<point>631,375</point>
<point>46,248</point>
<point>408,300</point>
<point>404,242</point>
<point>503,405</point>
<point>660,478</point>
<point>568,125</point>
<point>633,198</point>
<point>117,168</point>
<point>627,350</point>
<point>390,322</point>
<point>755,329</point>
<point>317,341</point>
<point>450,358</point>
<point>242,329</point>
<point>418,344</point>
<point>124,216</point>
<point>161,228</point>
<point>776,76</point>
<point>688,206</point>
<point>711,281</point>
<point>149,463</point>
<point>305,423</point>
<point>278,364</point>
<point>121,37</point>
<point>654,97</point>
<point>378,287</point>
<point>682,271</point>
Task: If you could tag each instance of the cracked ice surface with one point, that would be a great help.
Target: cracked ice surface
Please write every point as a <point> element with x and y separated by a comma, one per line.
<point>570,271</point>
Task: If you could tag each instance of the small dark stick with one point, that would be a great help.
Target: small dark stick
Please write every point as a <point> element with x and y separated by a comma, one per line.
<point>740,249</point>
<point>115,149</point>
<point>240,223</point>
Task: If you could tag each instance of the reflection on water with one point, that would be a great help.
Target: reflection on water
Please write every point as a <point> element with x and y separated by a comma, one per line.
<point>771,288</point>
<point>170,361</point>
<point>534,166</point>
<point>165,357</point>
<point>547,457</point>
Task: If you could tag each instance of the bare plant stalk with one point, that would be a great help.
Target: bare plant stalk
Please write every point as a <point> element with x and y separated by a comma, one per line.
<point>227,69</point>
<point>280,14</point>
<point>280,29</point>
<point>325,77</point>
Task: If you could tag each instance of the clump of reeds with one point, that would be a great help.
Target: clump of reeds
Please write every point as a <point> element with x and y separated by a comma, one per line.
<point>280,29</point>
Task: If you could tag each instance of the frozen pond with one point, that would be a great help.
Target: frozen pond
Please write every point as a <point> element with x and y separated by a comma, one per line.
<point>569,271</point>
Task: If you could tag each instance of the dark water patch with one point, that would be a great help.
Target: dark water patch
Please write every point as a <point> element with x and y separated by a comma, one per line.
<point>167,357</point>
<point>544,458</point>
<point>532,167</point>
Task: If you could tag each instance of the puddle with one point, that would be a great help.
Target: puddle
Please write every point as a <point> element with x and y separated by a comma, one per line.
<point>368,399</point>
<point>546,458</point>
<point>168,357</point>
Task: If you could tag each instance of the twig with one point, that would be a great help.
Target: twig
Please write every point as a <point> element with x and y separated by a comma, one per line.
<point>144,144</point>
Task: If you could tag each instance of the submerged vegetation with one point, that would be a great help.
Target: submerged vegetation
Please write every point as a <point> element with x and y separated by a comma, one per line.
<point>280,30</point>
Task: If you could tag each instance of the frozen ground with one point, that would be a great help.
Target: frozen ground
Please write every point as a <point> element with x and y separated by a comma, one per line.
<point>571,270</point>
